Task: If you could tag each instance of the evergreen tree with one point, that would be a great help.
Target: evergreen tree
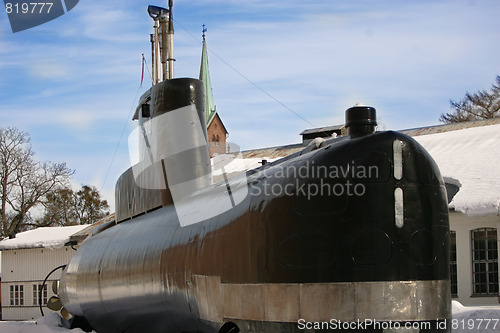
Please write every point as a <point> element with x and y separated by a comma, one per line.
<point>67,207</point>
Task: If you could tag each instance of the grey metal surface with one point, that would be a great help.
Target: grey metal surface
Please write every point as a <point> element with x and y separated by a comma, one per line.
<point>343,301</point>
<point>124,270</point>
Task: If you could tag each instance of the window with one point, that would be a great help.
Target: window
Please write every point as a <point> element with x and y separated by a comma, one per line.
<point>38,292</point>
<point>17,295</point>
<point>485,261</point>
<point>453,264</point>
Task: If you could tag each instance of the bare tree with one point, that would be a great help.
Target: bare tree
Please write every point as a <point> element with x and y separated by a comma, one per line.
<point>24,182</point>
<point>481,105</point>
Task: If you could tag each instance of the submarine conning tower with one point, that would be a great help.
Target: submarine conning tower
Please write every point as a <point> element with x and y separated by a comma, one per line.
<point>172,157</point>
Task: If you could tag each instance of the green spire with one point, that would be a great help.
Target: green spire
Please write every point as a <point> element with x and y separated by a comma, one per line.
<point>205,77</point>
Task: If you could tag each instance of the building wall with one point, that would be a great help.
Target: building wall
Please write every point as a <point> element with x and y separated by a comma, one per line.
<point>28,267</point>
<point>463,225</point>
<point>216,130</point>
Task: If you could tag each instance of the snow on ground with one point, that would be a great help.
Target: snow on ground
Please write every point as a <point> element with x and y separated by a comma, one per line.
<point>473,319</point>
<point>51,323</point>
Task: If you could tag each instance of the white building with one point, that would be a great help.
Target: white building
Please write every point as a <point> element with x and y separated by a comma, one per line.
<point>468,155</point>
<point>26,261</point>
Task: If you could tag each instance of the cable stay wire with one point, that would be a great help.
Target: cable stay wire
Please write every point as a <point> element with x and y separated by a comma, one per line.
<point>265,92</point>
<point>247,79</point>
<point>132,108</point>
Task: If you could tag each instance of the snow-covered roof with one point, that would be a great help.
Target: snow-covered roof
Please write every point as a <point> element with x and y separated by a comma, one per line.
<point>273,152</point>
<point>450,127</point>
<point>468,154</point>
<point>471,156</point>
<point>46,237</point>
<point>236,165</point>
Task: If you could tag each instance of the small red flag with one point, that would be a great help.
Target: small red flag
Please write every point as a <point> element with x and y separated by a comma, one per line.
<point>142,74</point>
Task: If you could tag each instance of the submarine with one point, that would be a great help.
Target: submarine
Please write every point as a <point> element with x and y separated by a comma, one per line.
<point>349,234</point>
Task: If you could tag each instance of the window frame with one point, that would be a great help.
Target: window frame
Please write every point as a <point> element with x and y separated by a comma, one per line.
<point>37,289</point>
<point>453,264</point>
<point>16,295</point>
<point>484,259</point>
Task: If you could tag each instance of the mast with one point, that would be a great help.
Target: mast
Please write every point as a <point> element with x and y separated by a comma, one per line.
<point>162,43</point>
<point>170,42</point>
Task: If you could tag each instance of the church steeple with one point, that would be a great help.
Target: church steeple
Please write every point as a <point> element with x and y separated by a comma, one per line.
<point>210,110</point>
<point>216,131</point>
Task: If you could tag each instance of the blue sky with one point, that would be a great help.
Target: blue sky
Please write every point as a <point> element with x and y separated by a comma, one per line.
<point>74,82</point>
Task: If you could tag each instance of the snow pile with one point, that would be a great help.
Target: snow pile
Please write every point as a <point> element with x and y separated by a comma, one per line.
<point>51,323</point>
<point>471,156</point>
<point>477,319</point>
<point>46,237</point>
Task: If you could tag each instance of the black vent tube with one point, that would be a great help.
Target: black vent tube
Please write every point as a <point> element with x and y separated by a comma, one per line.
<point>360,120</point>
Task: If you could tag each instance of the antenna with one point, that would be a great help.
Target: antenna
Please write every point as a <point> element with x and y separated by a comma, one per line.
<point>170,41</point>
<point>162,43</point>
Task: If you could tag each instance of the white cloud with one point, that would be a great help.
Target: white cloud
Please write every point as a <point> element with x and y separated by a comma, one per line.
<point>49,69</point>
<point>77,119</point>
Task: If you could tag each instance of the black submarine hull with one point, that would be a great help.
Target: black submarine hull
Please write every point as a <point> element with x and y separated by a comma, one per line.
<point>351,236</point>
